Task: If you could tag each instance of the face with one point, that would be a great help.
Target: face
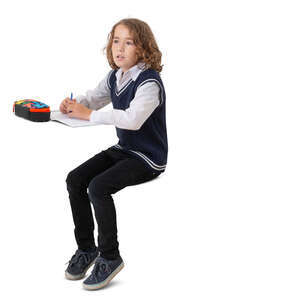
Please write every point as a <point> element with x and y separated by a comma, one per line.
<point>123,48</point>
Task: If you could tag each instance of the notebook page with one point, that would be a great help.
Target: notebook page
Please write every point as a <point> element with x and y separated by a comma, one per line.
<point>65,119</point>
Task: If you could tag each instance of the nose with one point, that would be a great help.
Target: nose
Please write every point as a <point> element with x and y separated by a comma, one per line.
<point>121,47</point>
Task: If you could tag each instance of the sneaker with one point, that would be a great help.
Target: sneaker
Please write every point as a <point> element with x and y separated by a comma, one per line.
<point>80,263</point>
<point>104,271</point>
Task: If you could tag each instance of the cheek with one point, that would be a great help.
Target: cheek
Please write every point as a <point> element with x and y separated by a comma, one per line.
<point>133,54</point>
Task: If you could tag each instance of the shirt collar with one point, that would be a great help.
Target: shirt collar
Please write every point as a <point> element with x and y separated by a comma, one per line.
<point>133,72</point>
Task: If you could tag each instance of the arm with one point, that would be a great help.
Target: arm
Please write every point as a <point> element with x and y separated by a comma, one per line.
<point>141,107</point>
<point>96,98</point>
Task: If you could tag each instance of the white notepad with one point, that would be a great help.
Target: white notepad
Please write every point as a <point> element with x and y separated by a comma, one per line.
<point>58,116</point>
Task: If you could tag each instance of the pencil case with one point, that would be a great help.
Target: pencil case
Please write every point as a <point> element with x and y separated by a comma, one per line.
<point>32,110</point>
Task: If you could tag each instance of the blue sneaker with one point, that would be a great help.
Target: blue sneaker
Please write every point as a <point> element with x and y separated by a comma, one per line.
<point>104,271</point>
<point>80,263</point>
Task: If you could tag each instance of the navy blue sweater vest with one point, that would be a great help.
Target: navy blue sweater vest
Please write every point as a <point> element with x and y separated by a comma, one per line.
<point>149,143</point>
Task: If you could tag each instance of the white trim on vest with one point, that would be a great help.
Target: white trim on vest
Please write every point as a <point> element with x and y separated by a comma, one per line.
<point>145,158</point>
<point>160,86</point>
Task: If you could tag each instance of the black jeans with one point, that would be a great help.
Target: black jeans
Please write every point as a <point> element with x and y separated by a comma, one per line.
<point>93,182</point>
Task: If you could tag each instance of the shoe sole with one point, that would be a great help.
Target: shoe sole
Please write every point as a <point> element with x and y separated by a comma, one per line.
<point>81,275</point>
<point>106,281</point>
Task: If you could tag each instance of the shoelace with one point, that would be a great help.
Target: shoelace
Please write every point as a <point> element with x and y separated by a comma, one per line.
<point>101,267</point>
<point>79,255</point>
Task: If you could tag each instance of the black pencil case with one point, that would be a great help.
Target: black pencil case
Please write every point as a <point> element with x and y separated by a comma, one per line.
<point>32,110</point>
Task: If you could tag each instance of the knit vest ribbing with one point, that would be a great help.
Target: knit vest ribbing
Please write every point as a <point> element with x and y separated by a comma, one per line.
<point>149,143</point>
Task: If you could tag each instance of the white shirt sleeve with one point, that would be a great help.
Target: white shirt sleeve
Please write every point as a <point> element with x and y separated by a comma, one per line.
<point>141,107</point>
<point>96,98</point>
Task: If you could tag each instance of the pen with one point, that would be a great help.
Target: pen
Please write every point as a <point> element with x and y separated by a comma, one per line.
<point>71,100</point>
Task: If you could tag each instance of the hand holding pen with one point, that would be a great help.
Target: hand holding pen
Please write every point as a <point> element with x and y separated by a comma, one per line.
<point>73,109</point>
<point>65,104</point>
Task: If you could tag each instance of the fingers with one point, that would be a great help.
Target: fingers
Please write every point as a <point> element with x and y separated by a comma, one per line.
<point>68,105</point>
<point>65,107</point>
<point>65,110</point>
<point>62,108</point>
<point>71,107</point>
<point>69,101</point>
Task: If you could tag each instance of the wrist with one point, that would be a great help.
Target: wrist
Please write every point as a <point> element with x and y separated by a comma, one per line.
<point>88,115</point>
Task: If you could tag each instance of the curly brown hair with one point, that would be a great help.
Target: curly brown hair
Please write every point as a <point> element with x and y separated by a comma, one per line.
<point>143,38</point>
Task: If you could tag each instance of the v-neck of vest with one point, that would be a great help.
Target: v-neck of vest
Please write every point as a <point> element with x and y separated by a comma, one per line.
<point>118,93</point>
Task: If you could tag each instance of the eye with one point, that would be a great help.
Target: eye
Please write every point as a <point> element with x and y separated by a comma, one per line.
<point>115,41</point>
<point>129,43</point>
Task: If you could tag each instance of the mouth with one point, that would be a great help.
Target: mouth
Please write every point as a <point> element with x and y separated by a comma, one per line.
<point>120,57</point>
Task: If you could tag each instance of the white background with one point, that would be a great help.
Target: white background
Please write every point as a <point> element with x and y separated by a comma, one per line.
<point>223,221</point>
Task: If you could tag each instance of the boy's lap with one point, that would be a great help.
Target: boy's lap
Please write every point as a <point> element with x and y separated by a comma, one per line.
<point>119,171</point>
<point>126,172</point>
<point>92,167</point>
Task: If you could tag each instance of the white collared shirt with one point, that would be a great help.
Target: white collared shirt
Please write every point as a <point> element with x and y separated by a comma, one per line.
<point>141,107</point>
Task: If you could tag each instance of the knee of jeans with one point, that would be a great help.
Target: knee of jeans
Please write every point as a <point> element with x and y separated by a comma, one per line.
<point>96,189</point>
<point>74,180</point>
